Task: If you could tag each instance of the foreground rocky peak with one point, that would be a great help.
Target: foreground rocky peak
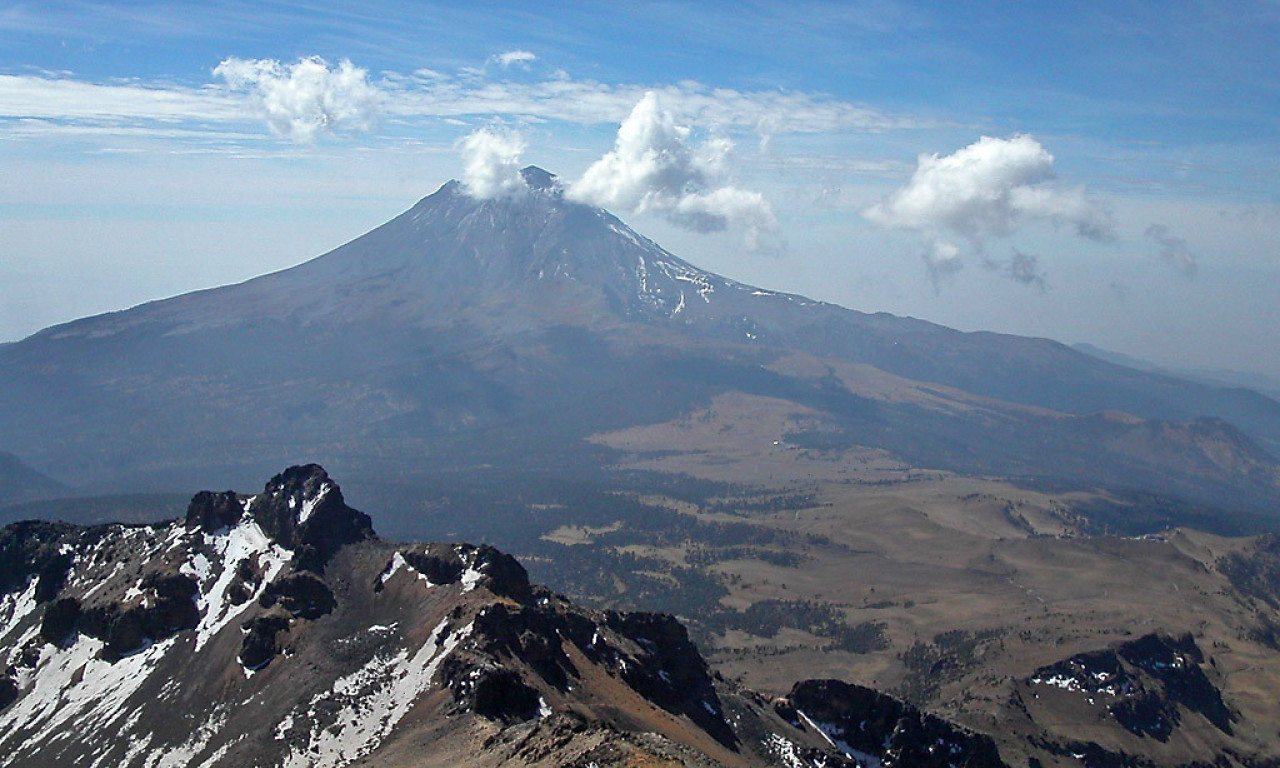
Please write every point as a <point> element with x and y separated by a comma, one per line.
<point>300,510</point>
<point>275,629</point>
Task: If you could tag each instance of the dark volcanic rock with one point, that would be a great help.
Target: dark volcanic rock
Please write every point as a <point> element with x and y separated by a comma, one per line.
<point>59,620</point>
<point>533,636</point>
<point>301,594</point>
<point>500,694</point>
<point>259,646</point>
<point>53,576</point>
<point>670,671</point>
<point>490,691</point>
<point>8,690</point>
<point>891,730</point>
<point>32,548</point>
<point>503,574</point>
<point>303,510</point>
<point>125,629</point>
<point>500,573</point>
<point>211,511</point>
<point>1148,682</point>
<point>440,563</point>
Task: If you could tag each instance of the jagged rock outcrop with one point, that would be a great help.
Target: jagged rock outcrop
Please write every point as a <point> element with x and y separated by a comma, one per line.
<point>1147,685</point>
<point>300,509</point>
<point>865,722</point>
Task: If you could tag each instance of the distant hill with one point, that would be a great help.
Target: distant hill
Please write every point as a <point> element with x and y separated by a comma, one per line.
<point>1265,385</point>
<point>20,483</point>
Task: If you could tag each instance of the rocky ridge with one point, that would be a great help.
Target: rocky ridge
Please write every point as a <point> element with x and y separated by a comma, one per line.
<point>276,629</point>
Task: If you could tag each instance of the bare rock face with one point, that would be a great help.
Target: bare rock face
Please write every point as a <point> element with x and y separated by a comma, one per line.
<point>276,630</point>
<point>211,512</point>
<point>1150,686</point>
<point>167,606</point>
<point>892,732</point>
<point>300,509</point>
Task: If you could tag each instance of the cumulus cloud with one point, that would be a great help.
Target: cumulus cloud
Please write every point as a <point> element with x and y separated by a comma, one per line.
<point>306,98</point>
<point>655,167</point>
<point>1173,249</point>
<point>491,163</point>
<point>520,58</point>
<point>988,189</point>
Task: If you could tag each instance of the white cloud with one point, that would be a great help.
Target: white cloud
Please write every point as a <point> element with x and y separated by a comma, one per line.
<point>1173,249</point>
<point>65,100</point>
<point>306,98</point>
<point>654,168</point>
<point>563,99</point>
<point>942,260</point>
<point>491,160</point>
<point>988,189</point>
<point>521,58</point>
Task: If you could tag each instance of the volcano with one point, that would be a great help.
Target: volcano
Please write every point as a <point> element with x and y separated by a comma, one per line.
<point>497,337</point>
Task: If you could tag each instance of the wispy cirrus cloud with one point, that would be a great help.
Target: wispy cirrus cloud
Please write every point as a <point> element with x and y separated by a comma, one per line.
<point>590,102</point>
<point>308,98</point>
<point>514,58</point>
<point>65,99</point>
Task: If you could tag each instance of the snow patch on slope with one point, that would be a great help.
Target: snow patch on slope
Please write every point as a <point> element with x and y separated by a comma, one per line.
<point>785,751</point>
<point>832,734</point>
<point>309,505</point>
<point>700,280</point>
<point>74,691</point>
<point>244,541</point>
<point>367,704</point>
<point>16,606</point>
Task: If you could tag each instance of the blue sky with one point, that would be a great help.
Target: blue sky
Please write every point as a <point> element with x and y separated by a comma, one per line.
<point>1127,193</point>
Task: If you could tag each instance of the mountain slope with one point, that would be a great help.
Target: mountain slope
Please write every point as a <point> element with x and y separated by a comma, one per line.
<point>276,630</point>
<point>20,483</point>
<point>501,333</point>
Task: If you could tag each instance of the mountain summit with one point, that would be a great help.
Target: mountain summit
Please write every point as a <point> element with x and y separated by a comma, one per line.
<point>501,334</point>
<point>452,258</point>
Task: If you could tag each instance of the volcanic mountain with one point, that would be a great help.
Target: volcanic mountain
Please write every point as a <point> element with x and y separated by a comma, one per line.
<point>497,336</point>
